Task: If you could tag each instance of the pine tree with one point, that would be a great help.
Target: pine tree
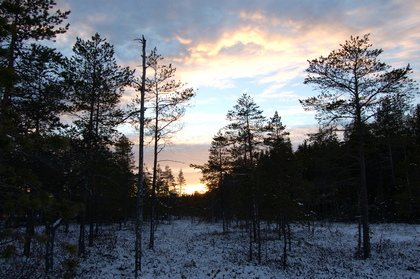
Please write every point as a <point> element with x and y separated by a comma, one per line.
<point>246,130</point>
<point>23,22</point>
<point>353,83</point>
<point>167,100</point>
<point>41,90</point>
<point>97,83</point>
<point>181,181</point>
<point>23,128</point>
<point>246,134</point>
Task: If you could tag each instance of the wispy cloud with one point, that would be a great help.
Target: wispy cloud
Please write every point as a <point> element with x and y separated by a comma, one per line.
<point>218,45</point>
<point>215,42</point>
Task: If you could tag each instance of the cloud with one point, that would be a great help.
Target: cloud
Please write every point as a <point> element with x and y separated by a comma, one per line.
<point>299,133</point>
<point>215,42</point>
<point>225,48</point>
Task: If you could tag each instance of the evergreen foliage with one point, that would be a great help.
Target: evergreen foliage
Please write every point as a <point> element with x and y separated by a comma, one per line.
<point>52,174</point>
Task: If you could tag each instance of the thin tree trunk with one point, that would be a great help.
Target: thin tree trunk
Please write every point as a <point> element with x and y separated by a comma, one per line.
<point>154,179</point>
<point>359,239</point>
<point>153,201</point>
<point>222,201</point>
<point>259,237</point>
<point>30,232</point>
<point>364,201</point>
<point>50,230</point>
<point>254,217</point>
<point>250,240</point>
<point>283,229</point>
<point>139,213</point>
<point>91,220</point>
<point>360,130</point>
<point>81,242</point>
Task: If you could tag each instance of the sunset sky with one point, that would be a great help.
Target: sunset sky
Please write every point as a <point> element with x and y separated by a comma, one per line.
<point>225,48</point>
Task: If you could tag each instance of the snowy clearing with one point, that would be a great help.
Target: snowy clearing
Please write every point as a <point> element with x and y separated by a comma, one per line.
<point>192,249</point>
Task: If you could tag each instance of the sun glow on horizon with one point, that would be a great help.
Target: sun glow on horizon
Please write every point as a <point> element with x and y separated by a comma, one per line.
<point>191,189</point>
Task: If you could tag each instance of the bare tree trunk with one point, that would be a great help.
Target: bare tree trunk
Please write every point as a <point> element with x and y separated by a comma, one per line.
<point>91,218</point>
<point>359,239</point>
<point>259,236</point>
<point>153,201</point>
<point>364,206</point>
<point>81,242</point>
<point>50,230</point>
<point>364,200</point>
<point>223,203</point>
<point>30,232</point>
<point>250,240</point>
<point>283,230</point>
<point>154,179</point>
<point>139,211</point>
<point>254,217</point>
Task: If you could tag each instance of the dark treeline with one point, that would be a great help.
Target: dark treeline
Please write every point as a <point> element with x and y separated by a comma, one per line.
<point>319,179</point>
<point>254,175</point>
<point>52,173</point>
<point>63,161</point>
<point>361,166</point>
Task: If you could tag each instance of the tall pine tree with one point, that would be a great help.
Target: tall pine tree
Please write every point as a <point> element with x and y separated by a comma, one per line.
<point>96,84</point>
<point>353,83</point>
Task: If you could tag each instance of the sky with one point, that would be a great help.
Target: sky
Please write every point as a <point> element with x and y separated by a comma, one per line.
<point>224,48</point>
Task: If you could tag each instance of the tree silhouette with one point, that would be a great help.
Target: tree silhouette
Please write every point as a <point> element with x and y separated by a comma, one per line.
<point>167,100</point>
<point>96,84</point>
<point>181,181</point>
<point>353,83</point>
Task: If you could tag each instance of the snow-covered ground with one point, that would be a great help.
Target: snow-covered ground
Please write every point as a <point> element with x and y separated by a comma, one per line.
<point>192,249</point>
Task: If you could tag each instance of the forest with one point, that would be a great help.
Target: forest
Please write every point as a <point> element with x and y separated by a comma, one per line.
<point>64,164</point>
